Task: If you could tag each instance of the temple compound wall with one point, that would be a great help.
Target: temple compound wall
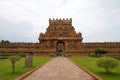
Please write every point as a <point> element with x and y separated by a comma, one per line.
<point>111,47</point>
<point>19,47</point>
<point>59,35</point>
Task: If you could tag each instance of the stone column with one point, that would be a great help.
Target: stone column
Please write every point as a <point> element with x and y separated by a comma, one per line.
<point>29,59</point>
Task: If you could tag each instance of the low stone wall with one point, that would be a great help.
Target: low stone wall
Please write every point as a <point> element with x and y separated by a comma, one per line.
<point>36,48</point>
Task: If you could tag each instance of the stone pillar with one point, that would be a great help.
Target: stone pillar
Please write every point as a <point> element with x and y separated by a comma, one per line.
<point>29,59</point>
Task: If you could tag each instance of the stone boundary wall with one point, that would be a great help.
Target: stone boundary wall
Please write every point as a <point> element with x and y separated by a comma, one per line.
<point>88,47</point>
<point>111,47</point>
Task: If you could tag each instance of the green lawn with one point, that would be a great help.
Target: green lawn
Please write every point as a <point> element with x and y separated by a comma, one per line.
<point>5,67</point>
<point>90,64</point>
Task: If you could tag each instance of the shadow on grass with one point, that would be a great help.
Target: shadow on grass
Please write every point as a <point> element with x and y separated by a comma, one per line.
<point>112,74</point>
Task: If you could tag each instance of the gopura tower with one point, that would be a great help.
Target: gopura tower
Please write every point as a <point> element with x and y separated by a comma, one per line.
<point>60,34</point>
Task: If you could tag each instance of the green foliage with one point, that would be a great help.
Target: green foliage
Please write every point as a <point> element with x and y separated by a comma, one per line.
<point>90,64</point>
<point>22,55</point>
<point>5,67</point>
<point>116,56</point>
<point>107,63</point>
<point>13,60</point>
<point>98,52</point>
<point>5,41</point>
<point>51,54</point>
<point>69,55</point>
<point>5,55</point>
<point>92,54</point>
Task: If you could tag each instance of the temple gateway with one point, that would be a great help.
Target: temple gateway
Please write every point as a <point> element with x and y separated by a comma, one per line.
<point>61,35</point>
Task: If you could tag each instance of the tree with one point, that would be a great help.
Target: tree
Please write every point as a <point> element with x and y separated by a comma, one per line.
<point>107,63</point>
<point>5,41</point>
<point>13,60</point>
<point>98,52</point>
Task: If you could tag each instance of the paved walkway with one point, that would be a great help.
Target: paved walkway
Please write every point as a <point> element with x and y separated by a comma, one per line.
<point>59,68</point>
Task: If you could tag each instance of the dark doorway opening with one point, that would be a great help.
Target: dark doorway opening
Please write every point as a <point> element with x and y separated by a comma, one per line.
<point>60,48</point>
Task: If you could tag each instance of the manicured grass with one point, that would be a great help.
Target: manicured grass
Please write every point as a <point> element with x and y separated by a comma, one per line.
<point>5,67</point>
<point>90,64</point>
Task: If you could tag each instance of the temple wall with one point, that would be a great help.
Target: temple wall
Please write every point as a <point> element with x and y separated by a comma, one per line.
<point>59,32</point>
<point>111,47</point>
<point>37,49</point>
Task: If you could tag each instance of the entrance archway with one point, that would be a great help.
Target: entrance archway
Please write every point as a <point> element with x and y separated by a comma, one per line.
<point>60,48</point>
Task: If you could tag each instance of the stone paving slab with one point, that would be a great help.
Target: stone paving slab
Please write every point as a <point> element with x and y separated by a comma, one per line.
<point>59,68</point>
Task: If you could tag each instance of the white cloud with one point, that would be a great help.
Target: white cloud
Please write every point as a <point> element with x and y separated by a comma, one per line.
<point>91,17</point>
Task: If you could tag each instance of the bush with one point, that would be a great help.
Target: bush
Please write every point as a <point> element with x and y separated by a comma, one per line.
<point>92,55</point>
<point>107,63</point>
<point>51,55</point>
<point>5,55</point>
<point>22,55</point>
<point>116,56</point>
<point>69,55</point>
<point>99,52</point>
<point>2,56</point>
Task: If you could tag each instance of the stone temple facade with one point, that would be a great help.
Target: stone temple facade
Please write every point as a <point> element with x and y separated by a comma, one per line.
<point>60,34</point>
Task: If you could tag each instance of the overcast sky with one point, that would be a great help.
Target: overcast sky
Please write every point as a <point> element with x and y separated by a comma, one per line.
<point>23,20</point>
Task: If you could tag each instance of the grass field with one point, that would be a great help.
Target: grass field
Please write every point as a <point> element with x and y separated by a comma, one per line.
<point>5,67</point>
<point>90,64</point>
